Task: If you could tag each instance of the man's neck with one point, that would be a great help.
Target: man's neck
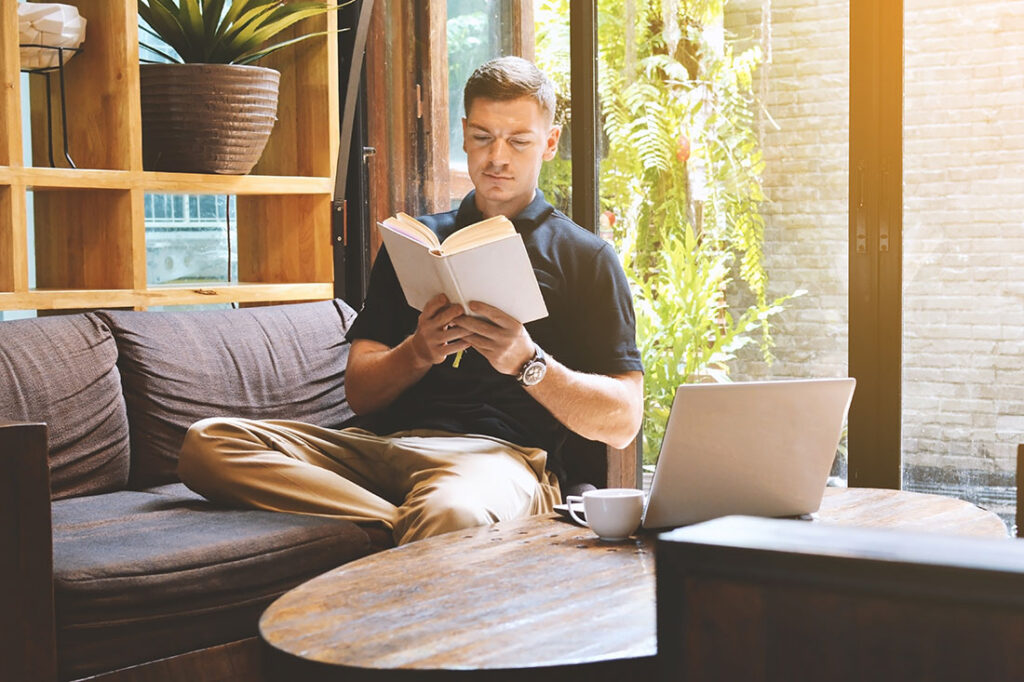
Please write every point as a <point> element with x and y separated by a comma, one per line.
<point>508,209</point>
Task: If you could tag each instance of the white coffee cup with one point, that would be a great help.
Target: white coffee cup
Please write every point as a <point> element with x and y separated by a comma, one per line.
<point>612,513</point>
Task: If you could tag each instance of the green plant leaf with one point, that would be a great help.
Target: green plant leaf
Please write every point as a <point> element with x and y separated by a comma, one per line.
<point>263,28</point>
<point>229,31</point>
<point>166,25</point>
<point>260,54</point>
<point>174,59</point>
<point>212,11</point>
<point>232,42</point>
<point>237,8</point>
<point>191,17</point>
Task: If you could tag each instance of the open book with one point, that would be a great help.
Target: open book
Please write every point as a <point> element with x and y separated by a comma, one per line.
<point>485,261</point>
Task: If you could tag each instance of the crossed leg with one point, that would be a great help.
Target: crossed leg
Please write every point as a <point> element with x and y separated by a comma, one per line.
<point>418,483</point>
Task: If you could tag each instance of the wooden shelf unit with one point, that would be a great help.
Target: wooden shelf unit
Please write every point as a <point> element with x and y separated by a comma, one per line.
<point>89,222</point>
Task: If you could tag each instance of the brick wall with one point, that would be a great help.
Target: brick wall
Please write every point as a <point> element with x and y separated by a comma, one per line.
<point>963,218</point>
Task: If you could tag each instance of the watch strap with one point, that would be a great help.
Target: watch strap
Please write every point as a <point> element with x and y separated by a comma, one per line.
<point>537,358</point>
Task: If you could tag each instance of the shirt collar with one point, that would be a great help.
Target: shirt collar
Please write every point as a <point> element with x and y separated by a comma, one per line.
<point>535,212</point>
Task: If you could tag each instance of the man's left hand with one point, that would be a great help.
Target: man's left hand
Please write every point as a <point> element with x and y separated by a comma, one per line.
<point>498,337</point>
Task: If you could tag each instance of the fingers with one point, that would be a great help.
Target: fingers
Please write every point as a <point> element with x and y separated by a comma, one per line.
<point>435,305</point>
<point>438,312</point>
<point>495,315</point>
<point>499,338</point>
<point>436,337</point>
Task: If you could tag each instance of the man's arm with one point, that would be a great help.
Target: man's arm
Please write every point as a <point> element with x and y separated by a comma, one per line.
<point>377,373</point>
<point>608,409</point>
<point>603,408</point>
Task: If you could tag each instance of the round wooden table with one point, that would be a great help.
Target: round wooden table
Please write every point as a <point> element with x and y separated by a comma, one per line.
<point>539,594</point>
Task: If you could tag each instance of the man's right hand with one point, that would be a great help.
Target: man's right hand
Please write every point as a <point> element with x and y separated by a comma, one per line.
<point>435,337</point>
<point>377,374</point>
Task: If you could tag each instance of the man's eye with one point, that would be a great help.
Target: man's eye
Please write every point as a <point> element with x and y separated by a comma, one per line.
<point>482,139</point>
<point>519,143</point>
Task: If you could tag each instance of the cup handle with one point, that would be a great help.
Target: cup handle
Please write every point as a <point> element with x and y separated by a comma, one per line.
<point>568,503</point>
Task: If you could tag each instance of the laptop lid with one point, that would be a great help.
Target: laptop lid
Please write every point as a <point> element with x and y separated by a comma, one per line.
<point>757,448</point>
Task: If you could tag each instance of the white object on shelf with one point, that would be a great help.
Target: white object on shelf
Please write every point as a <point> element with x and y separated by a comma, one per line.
<point>51,24</point>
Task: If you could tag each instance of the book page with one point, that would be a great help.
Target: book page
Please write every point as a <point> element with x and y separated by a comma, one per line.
<point>412,228</point>
<point>500,274</point>
<point>416,267</point>
<point>482,232</point>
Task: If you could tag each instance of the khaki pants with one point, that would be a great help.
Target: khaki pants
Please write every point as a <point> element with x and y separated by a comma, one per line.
<point>418,483</point>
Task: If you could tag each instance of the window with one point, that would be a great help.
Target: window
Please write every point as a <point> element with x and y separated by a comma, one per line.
<point>724,187</point>
<point>921,165</point>
<point>963,249</point>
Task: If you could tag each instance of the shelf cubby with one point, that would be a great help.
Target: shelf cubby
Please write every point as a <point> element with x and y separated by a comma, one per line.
<point>285,239</point>
<point>102,93</point>
<point>84,239</point>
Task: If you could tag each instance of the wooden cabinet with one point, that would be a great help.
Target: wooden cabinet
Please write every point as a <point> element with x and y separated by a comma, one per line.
<point>89,231</point>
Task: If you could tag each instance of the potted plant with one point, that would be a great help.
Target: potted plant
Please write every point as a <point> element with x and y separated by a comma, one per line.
<point>209,109</point>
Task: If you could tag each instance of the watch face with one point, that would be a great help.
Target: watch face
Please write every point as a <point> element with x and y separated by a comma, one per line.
<point>534,373</point>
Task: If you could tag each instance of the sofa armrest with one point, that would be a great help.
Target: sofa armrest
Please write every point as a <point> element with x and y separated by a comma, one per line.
<point>27,629</point>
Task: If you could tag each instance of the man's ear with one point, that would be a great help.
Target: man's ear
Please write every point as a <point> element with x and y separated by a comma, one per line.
<point>464,135</point>
<point>551,143</point>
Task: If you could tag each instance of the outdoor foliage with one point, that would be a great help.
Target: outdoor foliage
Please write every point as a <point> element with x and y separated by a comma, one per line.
<point>680,186</point>
<point>222,31</point>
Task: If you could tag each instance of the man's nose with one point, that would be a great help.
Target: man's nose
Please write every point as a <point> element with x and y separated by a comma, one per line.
<point>499,152</point>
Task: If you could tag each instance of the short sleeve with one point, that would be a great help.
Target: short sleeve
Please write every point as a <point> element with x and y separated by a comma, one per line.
<point>385,316</point>
<point>606,318</point>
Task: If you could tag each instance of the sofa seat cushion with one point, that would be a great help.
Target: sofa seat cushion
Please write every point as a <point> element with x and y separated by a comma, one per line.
<point>274,362</point>
<point>62,371</point>
<point>140,575</point>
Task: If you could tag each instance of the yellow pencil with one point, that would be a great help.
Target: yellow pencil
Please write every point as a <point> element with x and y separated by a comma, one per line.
<point>458,359</point>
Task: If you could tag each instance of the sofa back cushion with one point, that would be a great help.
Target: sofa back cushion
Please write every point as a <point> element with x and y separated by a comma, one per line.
<point>62,371</point>
<point>275,362</point>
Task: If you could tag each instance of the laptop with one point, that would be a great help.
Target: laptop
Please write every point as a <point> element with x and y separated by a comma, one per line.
<point>761,448</point>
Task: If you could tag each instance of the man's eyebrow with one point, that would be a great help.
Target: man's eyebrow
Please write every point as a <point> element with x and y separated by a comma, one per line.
<point>477,126</point>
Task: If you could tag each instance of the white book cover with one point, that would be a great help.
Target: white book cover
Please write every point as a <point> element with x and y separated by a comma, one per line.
<point>495,272</point>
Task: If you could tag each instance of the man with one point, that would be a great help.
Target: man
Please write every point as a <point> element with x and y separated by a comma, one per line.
<point>442,445</point>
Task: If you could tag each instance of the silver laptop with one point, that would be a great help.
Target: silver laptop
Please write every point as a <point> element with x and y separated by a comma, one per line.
<point>758,448</point>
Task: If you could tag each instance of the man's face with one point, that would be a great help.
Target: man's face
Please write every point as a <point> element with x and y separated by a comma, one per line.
<point>506,142</point>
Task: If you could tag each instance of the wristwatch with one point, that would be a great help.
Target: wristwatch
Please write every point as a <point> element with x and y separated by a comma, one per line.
<point>534,369</point>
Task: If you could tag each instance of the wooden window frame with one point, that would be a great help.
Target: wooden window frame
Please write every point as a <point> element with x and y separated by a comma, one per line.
<point>876,254</point>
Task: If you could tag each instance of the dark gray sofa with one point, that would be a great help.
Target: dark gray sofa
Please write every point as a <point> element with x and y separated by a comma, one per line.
<point>142,567</point>
<point>107,562</point>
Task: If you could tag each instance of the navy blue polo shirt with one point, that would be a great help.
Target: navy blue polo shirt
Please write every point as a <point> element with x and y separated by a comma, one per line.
<point>590,327</point>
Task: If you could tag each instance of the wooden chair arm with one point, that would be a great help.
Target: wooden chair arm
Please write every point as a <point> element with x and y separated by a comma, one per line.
<point>27,626</point>
<point>623,468</point>
<point>600,465</point>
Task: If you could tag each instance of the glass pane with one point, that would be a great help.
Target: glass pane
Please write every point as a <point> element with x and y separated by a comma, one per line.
<point>478,31</point>
<point>724,188</point>
<point>188,239</point>
<point>26,134</point>
<point>474,32</point>
<point>963,248</point>
<point>551,23</point>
